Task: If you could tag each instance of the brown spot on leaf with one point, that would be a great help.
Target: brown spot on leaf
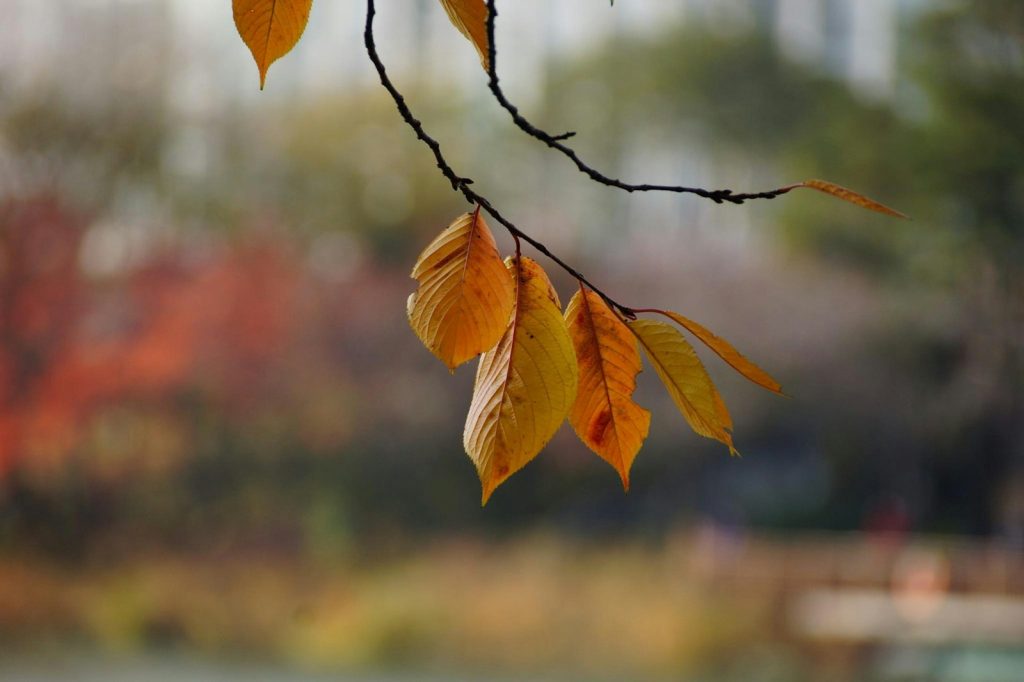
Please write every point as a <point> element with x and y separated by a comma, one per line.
<point>599,427</point>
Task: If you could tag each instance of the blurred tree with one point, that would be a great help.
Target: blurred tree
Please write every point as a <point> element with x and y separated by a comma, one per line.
<point>949,149</point>
<point>245,409</point>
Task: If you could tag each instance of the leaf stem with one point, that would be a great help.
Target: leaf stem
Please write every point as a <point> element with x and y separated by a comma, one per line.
<point>459,183</point>
<point>555,141</point>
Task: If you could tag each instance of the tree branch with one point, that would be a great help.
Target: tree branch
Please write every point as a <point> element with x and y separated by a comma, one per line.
<point>555,141</point>
<point>462,184</point>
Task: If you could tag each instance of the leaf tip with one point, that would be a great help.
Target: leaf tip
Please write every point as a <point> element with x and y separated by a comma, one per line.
<point>852,197</point>
<point>451,361</point>
<point>270,28</point>
<point>486,492</point>
<point>726,351</point>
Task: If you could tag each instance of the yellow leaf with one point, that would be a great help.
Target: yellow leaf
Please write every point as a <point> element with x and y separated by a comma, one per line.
<point>727,352</point>
<point>851,196</point>
<point>466,294</point>
<point>687,381</point>
<point>525,385</point>
<point>270,28</point>
<point>470,17</point>
<point>604,415</point>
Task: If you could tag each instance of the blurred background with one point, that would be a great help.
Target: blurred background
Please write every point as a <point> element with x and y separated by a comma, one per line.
<point>225,456</point>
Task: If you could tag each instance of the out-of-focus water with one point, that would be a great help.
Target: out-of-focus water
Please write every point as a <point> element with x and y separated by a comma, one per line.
<point>180,669</point>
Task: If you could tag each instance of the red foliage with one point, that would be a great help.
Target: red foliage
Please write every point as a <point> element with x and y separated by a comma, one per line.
<point>222,323</point>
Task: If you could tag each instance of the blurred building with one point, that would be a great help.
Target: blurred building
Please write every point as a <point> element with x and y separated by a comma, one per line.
<point>855,40</point>
<point>58,39</point>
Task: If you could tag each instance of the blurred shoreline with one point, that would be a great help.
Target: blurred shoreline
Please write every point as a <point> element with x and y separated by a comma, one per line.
<point>542,602</point>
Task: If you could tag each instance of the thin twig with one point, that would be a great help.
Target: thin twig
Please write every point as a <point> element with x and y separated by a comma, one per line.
<point>555,141</point>
<point>459,183</point>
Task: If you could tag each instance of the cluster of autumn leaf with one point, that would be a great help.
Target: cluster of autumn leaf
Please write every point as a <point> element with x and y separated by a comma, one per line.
<point>539,366</point>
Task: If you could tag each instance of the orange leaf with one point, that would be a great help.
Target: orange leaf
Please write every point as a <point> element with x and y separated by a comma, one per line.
<point>726,351</point>
<point>851,196</point>
<point>466,294</point>
<point>688,383</point>
<point>270,28</point>
<point>604,415</point>
<point>470,17</point>
<point>525,385</point>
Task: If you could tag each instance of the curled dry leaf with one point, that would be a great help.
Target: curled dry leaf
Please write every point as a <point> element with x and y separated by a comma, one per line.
<point>270,28</point>
<point>727,352</point>
<point>682,373</point>
<point>525,385</point>
<point>470,17</point>
<point>851,196</point>
<point>466,294</point>
<point>604,415</point>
